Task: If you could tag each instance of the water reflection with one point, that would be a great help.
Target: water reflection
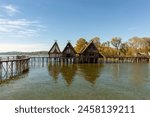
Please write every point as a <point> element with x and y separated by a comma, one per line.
<point>90,72</point>
<point>116,72</point>
<point>24,74</point>
<point>138,74</point>
<point>81,81</point>
<point>54,70</point>
<point>68,71</point>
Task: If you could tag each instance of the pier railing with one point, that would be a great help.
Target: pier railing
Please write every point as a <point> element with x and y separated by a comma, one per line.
<point>13,66</point>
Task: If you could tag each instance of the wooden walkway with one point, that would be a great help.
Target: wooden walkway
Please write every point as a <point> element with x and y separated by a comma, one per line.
<point>119,59</point>
<point>13,66</point>
<point>108,59</point>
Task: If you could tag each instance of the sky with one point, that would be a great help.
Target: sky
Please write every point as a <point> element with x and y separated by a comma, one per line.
<point>34,25</point>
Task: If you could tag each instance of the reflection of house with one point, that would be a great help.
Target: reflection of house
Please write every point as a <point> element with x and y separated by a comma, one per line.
<point>90,54</point>
<point>54,70</point>
<point>54,52</point>
<point>68,71</point>
<point>90,72</point>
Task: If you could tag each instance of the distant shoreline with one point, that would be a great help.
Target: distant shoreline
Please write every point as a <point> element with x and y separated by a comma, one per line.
<point>26,53</point>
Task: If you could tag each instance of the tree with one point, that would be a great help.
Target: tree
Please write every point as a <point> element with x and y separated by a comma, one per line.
<point>137,42</point>
<point>96,41</point>
<point>106,44</point>
<point>147,40</point>
<point>81,43</point>
<point>124,48</point>
<point>146,48</point>
<point>116,42</point>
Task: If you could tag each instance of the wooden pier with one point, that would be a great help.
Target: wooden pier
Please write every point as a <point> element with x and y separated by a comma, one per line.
<point>39,61</point>
<point>13,66</point>
<point>42,61</point>
<point>120,59</point>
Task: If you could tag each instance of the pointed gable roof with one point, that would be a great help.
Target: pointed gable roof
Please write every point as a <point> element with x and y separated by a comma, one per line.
<point>69,46</point>
<point>54,49</point>
<point>90,44</point>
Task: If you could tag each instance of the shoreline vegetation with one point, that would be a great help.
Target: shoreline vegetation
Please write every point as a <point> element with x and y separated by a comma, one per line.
<point>133,47</point>
<point>116,47</point>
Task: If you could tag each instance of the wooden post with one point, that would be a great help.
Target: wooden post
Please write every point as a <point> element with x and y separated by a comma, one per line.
<point>24,65</point>
<point>137,60</point>
<point>27,64</point>
<point>42,61</point>
<point>59,59</point>
<point>20,69</point>
<point>11,68</point>
<point>66,60</point>
<point>74,60</point>
<point>1,70</point>
<point>6,69</point>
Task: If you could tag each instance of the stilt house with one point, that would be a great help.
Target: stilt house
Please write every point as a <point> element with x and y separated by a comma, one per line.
<point>90,54</point>
<point>69,54</point>
<point>54,52</point>
<point>69,51</point>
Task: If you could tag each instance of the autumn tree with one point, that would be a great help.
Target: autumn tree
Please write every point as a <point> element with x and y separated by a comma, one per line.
<point>147,40</point>
<point>137,42</point>
<point>116,42</point>
<point>124,48</point>
<point>129,48</point>
<point>81,43</point>
<point>106,44</point>
<point>96,41</point>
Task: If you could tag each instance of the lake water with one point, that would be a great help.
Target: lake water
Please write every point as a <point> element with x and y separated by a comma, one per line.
<point>80,81</point>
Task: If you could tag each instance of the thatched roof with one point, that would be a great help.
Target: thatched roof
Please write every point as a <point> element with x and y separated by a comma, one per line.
<point>54,49</point>
<point>69,46</point>
<point>86,47</point>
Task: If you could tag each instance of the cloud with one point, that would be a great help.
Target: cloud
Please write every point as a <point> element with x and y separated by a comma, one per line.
<point>20,27</point>
<point>13,28</point>
<point>10,9</point>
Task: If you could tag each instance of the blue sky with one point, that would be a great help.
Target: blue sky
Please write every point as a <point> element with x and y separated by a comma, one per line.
<point>33,25</point>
